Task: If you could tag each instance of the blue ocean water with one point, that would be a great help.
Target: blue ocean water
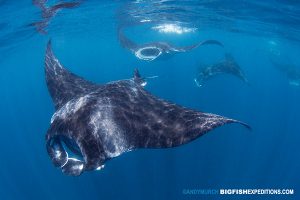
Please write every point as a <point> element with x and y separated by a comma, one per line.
<point>85,40</point>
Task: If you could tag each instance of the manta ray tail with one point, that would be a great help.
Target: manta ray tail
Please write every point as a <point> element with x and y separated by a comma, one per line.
<point>244,124</point>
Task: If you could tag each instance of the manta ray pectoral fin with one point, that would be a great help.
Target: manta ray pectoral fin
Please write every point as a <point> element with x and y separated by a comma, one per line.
<point>62,84</point>
<point>207,42</point>
<point>203,124</point>
<point>160,124</point>
<point>125,41</point>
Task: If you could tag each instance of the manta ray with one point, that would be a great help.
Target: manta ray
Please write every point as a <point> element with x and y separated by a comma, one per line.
<point>227,66</point>
<point>151,51</point>
<point>290,71</point>
<point>94,123</point>
<point>49,12</point>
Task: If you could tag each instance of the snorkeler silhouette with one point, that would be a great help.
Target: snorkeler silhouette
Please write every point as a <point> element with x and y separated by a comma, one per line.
<point>49,12</point>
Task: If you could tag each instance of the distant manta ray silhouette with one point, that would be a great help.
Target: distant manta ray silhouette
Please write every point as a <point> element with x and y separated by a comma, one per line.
<point>49,12</point>
<point>153,50</point>
<point>290,71</point>
<point>94,123</point>
<point>227,66</point>
<point>286,67</point>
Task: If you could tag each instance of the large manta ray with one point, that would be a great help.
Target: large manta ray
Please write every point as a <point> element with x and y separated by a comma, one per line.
<point>49,12</point>
<point>151,51</point>
<point>227,66</point>
<point>94,123</point>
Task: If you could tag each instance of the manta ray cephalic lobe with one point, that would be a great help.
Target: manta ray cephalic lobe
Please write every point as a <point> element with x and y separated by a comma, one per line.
<point>94,123</point>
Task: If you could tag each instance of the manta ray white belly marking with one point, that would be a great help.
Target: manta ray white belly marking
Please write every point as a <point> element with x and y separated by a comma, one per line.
<point>70,108</point>
<point>94,123</point>
<point>102,120</point>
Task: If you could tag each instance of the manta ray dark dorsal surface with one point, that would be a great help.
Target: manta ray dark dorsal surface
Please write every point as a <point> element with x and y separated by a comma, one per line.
<point>226,66</point>
<point>62,84</point>
<point>94,123</point>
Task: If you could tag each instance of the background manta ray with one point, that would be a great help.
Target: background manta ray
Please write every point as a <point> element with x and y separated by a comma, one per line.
<point>151,51</point>
<point>94,123</point>
<point>227,66</point>
<point>49,12</point>
<point>289,70</point>
<point>282,63</point>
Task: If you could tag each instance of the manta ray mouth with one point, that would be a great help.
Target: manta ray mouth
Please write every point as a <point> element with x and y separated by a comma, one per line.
<point>148,53</point>
<point>66,154</point>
